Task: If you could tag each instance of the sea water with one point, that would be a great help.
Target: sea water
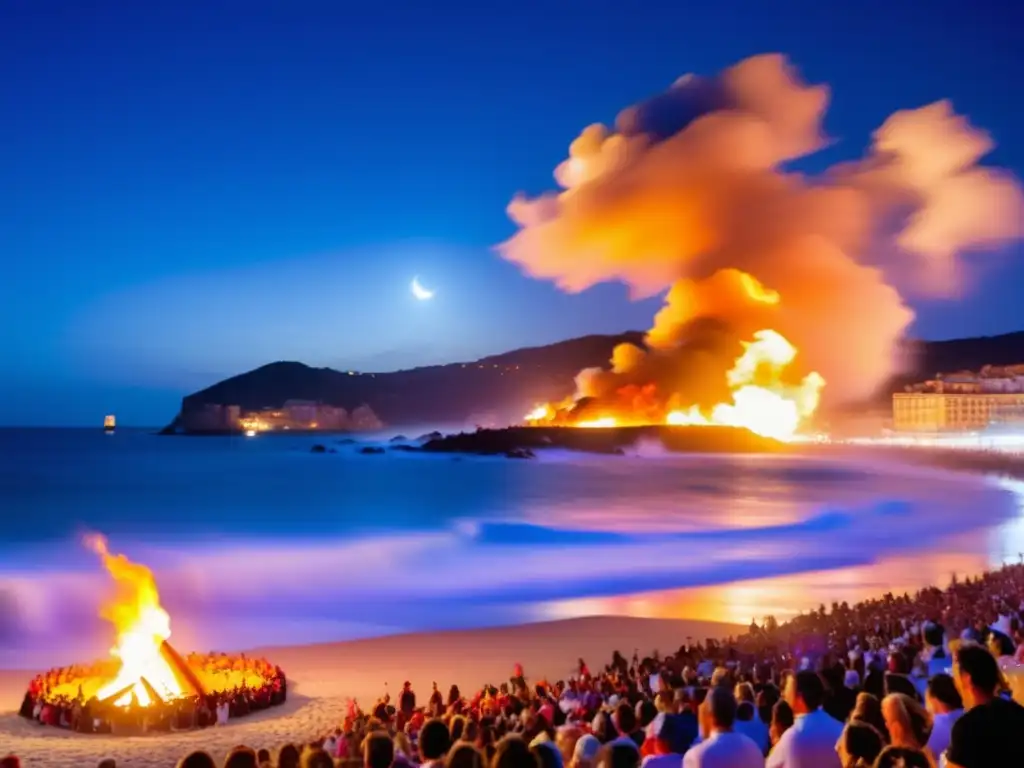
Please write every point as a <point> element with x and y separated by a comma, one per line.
<point>258,541</point>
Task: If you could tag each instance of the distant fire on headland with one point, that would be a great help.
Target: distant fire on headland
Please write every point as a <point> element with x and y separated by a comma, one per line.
<point>764,394</point>
<point>774,281</point>
<point>144,672</point>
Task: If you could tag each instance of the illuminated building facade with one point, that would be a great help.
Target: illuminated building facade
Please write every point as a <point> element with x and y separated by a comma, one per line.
<point>934,412</point>
<point>962,401</point>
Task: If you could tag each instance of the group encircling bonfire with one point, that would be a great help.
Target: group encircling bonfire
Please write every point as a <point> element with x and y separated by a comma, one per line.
<point>146,684</point>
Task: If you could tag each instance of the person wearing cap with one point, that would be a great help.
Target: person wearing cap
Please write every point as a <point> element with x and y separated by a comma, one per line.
<point>669,740</point>
<point>723,747</point>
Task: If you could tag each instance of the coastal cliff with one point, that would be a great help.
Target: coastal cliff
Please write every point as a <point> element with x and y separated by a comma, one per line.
<point>491,391</point>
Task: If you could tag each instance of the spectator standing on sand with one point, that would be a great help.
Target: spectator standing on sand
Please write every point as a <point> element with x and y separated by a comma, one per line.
<point>288,756</point>
<point>407,701</point>
<point>241,757</point>
<point>990,732</point>
<point>670,741</point>
<point>465,755</point>
<point>723,747</point>
<point>435,707</point>
<point>859,746</point>
<point>811,742</point>
<point>782,720</point>
<point>620,755</point>
<point>902,757</point>
<point>934,654</point>
<point>585,752</point>
<point>943,700</point>
<point>435,741</point>
<point>198,759</point>
<point>330,745</point>
<point>513,752</point>
<point>908,722</point>
<point>378,750</point>
<point>624,719</point>
<point>748,722</point>
<point>316,758</point>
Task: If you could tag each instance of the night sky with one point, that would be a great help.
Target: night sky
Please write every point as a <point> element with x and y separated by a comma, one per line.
<point>193,189</point>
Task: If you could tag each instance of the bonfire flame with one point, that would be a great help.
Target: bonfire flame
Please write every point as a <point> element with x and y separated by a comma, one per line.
<point>142,627</point>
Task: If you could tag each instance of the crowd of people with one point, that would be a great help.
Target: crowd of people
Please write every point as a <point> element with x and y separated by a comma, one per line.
<point>232,686</point>
<point>911,680</point>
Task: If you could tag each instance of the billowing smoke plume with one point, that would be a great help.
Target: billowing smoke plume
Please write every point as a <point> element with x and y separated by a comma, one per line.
<point>691,193</point>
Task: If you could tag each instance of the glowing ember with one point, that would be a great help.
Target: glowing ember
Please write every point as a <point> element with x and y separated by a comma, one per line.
<point>142,627</point>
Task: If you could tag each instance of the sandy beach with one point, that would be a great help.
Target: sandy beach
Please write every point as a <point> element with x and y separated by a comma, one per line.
<point>323,677</point>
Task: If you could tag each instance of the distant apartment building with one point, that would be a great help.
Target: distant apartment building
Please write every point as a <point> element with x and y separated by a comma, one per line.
<point>310,415</point>
<point>962,401</point>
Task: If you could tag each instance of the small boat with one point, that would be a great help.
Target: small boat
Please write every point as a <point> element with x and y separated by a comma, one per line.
<point>109,424</point>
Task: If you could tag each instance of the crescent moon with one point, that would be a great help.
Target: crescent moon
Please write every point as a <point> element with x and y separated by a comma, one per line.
<point>419,291</point>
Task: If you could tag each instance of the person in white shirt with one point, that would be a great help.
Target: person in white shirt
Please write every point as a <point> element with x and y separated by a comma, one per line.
<point>330,745</point>
<point>722,747</point>
<point>943,700</point>
<point>811,741</point>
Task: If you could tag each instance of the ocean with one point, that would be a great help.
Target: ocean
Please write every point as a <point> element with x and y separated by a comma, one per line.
<point>258,541</point>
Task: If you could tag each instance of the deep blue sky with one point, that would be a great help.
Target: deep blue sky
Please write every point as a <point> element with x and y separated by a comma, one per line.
<point>191,189</point>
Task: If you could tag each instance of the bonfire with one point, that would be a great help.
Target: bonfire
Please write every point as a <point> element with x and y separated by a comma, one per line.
<point>144,671</point>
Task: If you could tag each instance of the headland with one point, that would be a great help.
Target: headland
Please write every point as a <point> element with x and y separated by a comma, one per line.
<point>489,391</point>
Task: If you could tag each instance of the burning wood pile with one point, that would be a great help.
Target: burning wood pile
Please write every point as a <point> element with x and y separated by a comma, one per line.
<point>147,684</point>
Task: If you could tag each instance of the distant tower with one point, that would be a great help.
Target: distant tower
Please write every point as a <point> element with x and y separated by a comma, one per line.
<point>109,424</point>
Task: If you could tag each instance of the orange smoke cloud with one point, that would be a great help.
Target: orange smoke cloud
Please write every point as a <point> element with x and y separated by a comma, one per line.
<point>690,195</point>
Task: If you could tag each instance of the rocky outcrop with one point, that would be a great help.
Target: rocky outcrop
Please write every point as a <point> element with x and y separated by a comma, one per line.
<point>524,442</point>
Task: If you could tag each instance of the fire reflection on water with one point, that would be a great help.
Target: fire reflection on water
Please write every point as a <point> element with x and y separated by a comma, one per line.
<point>786,596</point>
<point>782,596</point>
